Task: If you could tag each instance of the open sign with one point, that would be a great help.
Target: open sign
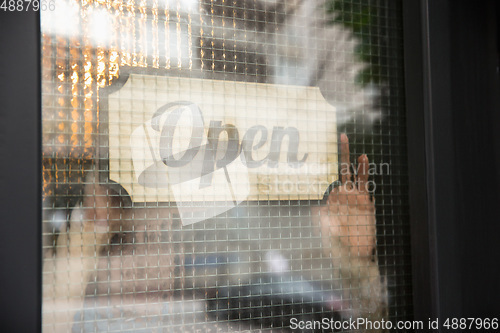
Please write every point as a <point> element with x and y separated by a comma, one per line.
<point>196,140</point>
<point>255,137</point>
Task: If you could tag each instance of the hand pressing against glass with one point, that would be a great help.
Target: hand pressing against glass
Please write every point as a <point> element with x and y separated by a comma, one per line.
<point>350,210</point>
<point>348,232</point>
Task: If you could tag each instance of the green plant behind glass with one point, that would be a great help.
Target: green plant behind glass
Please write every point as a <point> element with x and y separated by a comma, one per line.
<point>362,18</point>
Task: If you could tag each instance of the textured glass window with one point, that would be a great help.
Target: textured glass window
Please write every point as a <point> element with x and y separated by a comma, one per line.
<point>224,165</point>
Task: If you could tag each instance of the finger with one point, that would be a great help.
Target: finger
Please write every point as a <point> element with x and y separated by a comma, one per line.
<point>363,173</point>
<point>345,170</point>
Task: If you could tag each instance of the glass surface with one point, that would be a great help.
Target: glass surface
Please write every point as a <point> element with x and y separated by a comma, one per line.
<point>223,166</point>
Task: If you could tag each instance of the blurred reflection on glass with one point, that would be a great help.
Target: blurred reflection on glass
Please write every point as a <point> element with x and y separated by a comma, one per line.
<point>113,262</point>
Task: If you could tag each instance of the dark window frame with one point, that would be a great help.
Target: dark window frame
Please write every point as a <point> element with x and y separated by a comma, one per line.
<point>20,172</point>
<point>452,77</point>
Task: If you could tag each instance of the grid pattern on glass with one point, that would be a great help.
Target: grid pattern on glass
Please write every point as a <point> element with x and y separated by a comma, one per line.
<point>125,253</point>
